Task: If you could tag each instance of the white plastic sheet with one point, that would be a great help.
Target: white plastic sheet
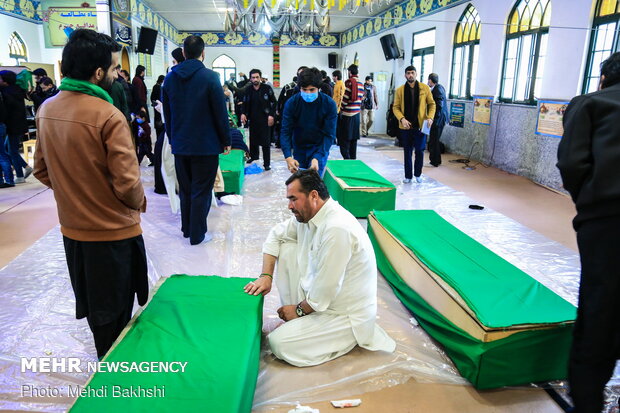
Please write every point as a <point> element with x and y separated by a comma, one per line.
<point>37,305</point>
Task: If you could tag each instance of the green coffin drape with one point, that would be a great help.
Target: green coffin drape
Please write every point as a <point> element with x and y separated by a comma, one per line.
<point>498,293</point>
<point>208,322</point>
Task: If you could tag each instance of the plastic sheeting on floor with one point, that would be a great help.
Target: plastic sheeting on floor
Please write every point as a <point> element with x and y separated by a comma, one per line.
<point>37,305</point>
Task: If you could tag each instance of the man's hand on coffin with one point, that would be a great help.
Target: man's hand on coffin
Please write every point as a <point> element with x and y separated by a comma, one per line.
<point>314,164</point>
<point>292,164</point>
<point>288,312</point>
<point>260,285</point>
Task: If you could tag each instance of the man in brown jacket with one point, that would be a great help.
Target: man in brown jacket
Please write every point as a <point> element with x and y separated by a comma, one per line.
<point>413,106</point>
<point>85,155</point>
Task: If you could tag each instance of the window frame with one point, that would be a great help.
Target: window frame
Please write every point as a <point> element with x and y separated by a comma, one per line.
<point>15,35</point>
<point>422,52</point>
<point>471,45</point>
<point>226,70</point>
<point>533,61</point>
<point>597,22</point>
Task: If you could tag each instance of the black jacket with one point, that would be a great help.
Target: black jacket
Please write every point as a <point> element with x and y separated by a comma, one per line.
<point>589,154</point>
<point>16,122</point>
<point>441,105</point>
<point>268,100</point>
<point>2,113</point>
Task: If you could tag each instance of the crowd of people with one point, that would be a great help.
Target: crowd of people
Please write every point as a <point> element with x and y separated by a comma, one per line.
<point>94,131</point>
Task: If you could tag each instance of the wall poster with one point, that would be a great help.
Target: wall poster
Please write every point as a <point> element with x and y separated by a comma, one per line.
<point>550,118</point>
<point>482,109</point>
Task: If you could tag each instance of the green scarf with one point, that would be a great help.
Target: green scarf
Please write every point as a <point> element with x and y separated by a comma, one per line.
<point>84,86</point>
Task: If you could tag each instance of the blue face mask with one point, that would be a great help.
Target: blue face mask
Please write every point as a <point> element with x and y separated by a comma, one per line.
<point>309,97</point>
<point>140,121</point>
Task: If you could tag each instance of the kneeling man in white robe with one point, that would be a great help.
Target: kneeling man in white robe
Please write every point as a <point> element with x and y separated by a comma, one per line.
<point>327,278</point>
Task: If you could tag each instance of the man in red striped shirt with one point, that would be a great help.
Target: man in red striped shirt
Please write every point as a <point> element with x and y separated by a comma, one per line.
<point>349,123</point>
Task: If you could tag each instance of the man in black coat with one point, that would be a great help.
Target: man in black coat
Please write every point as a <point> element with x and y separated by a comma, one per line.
<point>16,123</point>
<point>588,159</point>
<point>259,107</point>
<point>441,117</point>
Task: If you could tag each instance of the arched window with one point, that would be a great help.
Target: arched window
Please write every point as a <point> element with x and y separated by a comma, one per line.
<point>225,66</point>
<point>526,47</point>
<point>17,48</point>
<point>603,41</point>
<point>465,54</point>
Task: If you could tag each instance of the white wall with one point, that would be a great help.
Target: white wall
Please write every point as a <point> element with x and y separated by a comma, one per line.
<point>564,68</point>
<point>247,58</point>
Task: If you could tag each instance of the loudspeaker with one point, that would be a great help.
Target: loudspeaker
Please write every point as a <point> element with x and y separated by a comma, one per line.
<point>332,60</point>
<point>146,40</point>
<point>390,48</point>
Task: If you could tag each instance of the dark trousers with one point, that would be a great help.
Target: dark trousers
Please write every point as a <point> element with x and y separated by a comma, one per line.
<point>348,135</point>
<point>260,137</point>
<point>105,275</point>
<point>196,175</point>
<point>145,149</point>
<point>413,139</point>
<point>596,338</point>
<point>12,147</point>
<point>160,187</point>
<point>434,148</point>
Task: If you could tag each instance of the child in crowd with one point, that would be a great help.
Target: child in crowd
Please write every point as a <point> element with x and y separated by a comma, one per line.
<point>142,131</point>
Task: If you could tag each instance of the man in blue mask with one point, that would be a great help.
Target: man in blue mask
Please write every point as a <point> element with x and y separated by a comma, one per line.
<point>308,124</point>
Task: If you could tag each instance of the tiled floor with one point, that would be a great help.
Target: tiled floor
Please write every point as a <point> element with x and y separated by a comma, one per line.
<point>28,211</point>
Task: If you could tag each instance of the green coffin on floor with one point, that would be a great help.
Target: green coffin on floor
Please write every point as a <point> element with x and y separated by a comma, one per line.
<point>232,167</point>
<point>208,322</point>
<point>499,326</point>
<point>358,188</point>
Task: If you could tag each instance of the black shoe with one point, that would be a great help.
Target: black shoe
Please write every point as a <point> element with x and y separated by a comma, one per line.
<point>5,185</point>
<point>267,168</point>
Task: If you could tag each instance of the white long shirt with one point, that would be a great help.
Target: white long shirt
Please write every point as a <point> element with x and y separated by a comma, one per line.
<point>338,271</point>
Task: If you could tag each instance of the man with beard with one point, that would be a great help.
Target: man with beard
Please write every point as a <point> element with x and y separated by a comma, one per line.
<point>327,278</point>
<point>85,155</point>
<point>413,104</point>
<point>259,107</point>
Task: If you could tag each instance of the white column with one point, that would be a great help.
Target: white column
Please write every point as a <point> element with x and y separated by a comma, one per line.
<point>103,17</point>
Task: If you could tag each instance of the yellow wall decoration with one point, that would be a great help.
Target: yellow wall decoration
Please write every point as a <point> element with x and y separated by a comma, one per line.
<point>412,7</point>
<point>361,31</point>
<point>257,39</point>
<point>355,34</point>
<point>426,6</point>
<point>233,39</point>
<point>378,24</point>
<point>27,8</point>
<point>285,39</point>
<point>387,20</point>
<point>328,40</point>
<point>398,15</point>
<point>210,38</point>
<point>369,27</point>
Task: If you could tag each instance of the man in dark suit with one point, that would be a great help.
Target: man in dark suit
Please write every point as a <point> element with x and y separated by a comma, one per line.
<point>259,107</point>
<point>588,159</point>
<point>197,126</point>
<point>441,117</point>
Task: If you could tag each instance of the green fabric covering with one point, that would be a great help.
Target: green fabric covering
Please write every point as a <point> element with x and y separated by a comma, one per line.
<point>84,86</point>
<point>232,167</point>
<point>208,322</point>
<point>357,174</point>
<point>525,357</point>
<point>500,294</point>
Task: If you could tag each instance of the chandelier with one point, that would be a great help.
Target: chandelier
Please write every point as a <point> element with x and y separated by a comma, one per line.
<point>292,17</point>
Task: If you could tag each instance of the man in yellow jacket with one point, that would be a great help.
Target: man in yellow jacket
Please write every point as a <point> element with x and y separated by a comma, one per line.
<point>414,108</point>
